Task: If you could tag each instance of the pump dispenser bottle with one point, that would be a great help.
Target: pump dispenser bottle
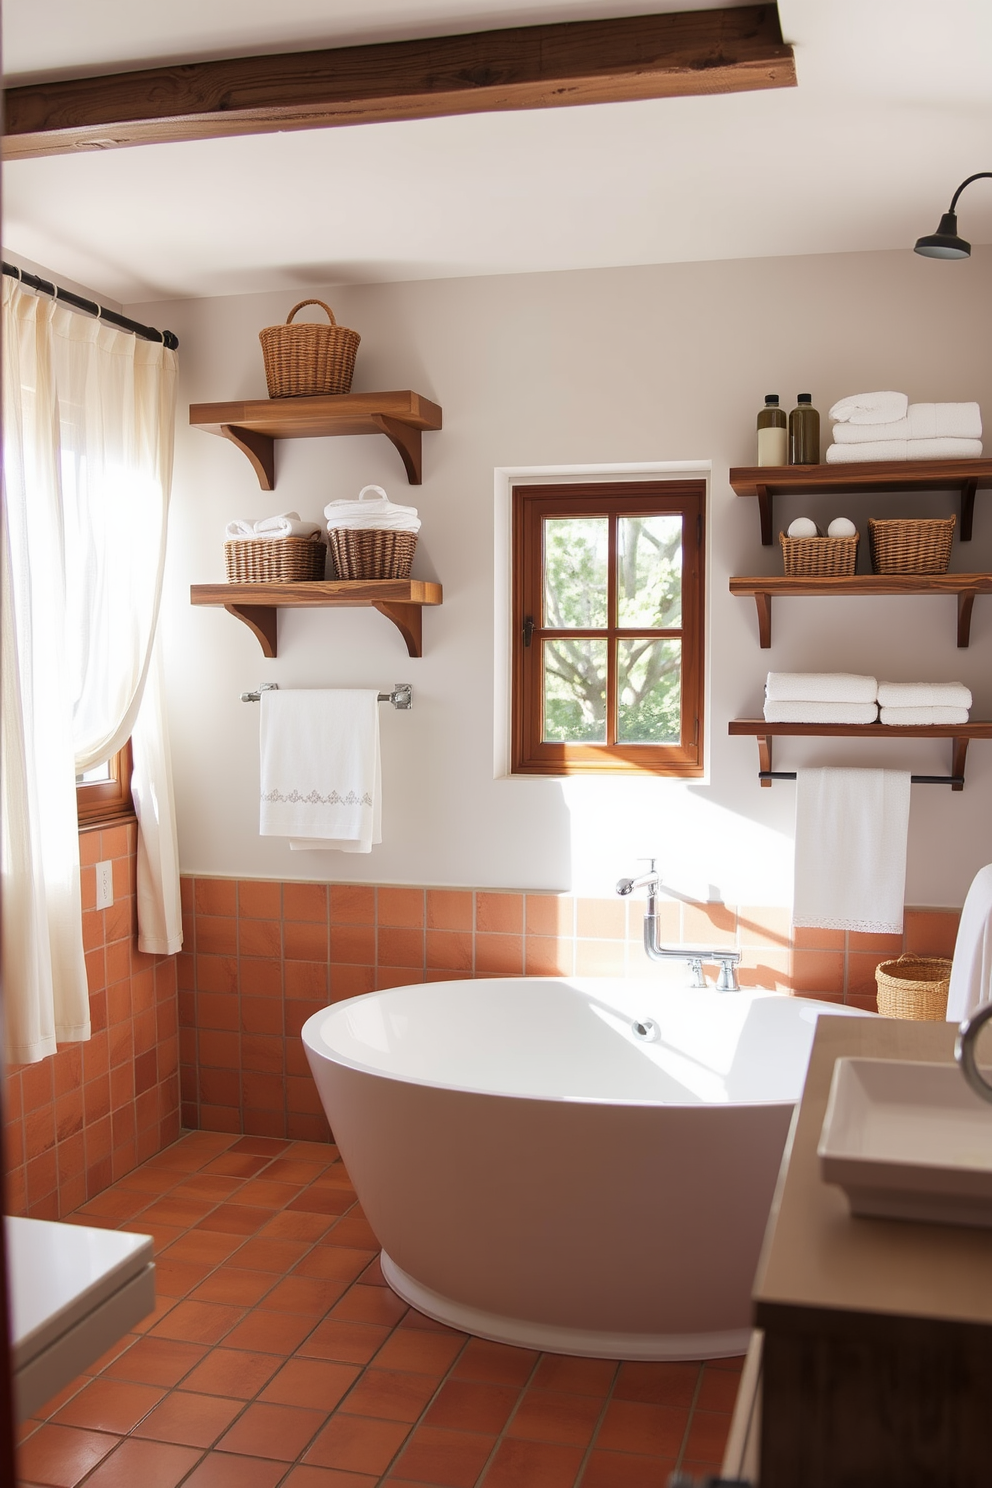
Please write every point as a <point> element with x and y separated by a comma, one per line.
<point>773,437</point>
<point>804,432</point>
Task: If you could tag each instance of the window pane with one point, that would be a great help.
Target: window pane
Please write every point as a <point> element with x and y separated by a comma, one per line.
<point>649,685</point>
<point>95,775</point>
<point>649,572</point>
<point>575,559</point>
<point>575,692</point>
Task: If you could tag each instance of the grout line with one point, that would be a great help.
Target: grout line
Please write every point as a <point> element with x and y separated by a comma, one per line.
<point>692,1412</point>
<point>501,1435</point>
<point>594,1438</point>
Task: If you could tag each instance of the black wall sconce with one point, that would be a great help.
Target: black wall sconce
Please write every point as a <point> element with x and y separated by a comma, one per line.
<point>945,243</point>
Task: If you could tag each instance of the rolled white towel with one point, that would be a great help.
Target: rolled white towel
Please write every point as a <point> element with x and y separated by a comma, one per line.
<point>287,524</point>
<point>806,712</point>
<point>842,527</point>
<point>917,716</point>
<point>379,513</point>
<point>922,421</point>
<point>803,527</point>
<point>870,408</point>
<point>904,449</point>
<point>239,528</point>
<point>820,687</point>
<point>924,695</point>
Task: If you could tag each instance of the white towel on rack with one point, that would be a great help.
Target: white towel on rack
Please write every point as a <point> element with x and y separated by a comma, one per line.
<point>820,687</point>
<point>921,717</point>
<point>924,695</point>
<point>807,712</point>
<point>320,773</point>
<point>922,421</point>
<point>870,408</point>
<point>971,969</point>
<point>904,449</point>
<point>851,831</point>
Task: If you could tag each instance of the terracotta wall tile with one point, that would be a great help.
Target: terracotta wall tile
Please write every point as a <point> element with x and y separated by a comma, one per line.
<point>400,947</point>
<point>931,932</point>
<point>499,913</point>
<point>817,971</point>
<point>716,922</point>
<point>808,938</point>
<point>400,907</point>
<point>305,901</point>
<point>353,944</point>
<point>352,904</point>
<point>861,973</point>
<point>601,919</point>
<point>499,953</point>
<point>449,950</point>
<point>215,896</point>
<point>307,979</point>
<point>259,900</point>
<point>546,955</point>
<point>449,909</point>
<point>254,938</point>
<point>766,925</point>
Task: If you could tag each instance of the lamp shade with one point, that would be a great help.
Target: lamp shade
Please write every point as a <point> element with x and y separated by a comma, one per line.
<point>944,243</point>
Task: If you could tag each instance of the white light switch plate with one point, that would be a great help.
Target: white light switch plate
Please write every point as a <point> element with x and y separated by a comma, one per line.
<point>104,884</point>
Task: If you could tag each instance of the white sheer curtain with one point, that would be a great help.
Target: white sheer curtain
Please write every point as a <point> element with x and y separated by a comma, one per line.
<point>89,415</point>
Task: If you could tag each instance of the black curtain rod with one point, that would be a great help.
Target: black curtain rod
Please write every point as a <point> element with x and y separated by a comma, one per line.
<point>914,779</point>
<point>145,333</point>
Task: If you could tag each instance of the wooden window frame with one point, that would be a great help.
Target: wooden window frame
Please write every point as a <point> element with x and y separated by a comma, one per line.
<point>107,801</point>
<point>530,754</point>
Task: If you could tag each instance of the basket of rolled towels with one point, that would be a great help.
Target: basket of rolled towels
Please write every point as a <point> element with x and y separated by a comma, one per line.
<point>886,426</point>
<point>846,697</point>
<point>371,538</point>
<point>807,553</point>
<point>274,550</point>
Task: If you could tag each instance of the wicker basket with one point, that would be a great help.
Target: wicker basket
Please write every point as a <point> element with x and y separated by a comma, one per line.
<point>308,360</point>
<point>907,545</point>
<point>819,557</point>
<point>278,560</point>
<point>370,553</point>
<point>914,987</point>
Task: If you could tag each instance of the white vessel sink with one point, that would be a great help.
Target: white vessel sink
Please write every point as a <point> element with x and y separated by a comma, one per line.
<point>908,1140</point>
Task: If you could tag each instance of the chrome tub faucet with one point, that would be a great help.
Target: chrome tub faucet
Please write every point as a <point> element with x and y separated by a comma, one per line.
<point>695,955</point>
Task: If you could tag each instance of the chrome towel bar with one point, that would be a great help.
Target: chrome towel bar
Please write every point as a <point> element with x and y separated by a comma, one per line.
<point>401,696</point>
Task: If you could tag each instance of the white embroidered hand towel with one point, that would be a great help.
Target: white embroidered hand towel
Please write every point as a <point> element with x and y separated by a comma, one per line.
<point>971,969</point>
<point>320,775</point>
<point>851,832</point>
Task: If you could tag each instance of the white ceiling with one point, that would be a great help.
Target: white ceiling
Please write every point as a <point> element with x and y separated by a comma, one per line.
<point>893,110</point>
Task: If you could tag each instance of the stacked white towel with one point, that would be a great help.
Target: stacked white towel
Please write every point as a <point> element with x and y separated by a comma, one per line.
<point>378,514</point>
<point>886,426</point>
<point>922,703</point>
<point>287,524</point>
<point>820,697</point>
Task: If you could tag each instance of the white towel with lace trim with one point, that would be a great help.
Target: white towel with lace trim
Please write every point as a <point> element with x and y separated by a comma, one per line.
<point>851,832</point>
<point>320,776</point>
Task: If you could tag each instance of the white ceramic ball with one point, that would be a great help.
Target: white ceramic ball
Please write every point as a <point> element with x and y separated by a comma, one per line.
<point>802,527</point>
<point>841,527</point>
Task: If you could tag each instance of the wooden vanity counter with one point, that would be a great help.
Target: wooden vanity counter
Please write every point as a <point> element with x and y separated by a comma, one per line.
<point>877,1357</point>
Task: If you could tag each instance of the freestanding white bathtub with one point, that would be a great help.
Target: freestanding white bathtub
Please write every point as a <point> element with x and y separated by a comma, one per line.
<point>578,1165</point>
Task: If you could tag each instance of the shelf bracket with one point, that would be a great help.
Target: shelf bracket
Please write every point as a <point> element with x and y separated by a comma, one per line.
<point>968,489</point>
<point>260,451</point>
<point>261,621</point>
<point>408,442</point>
<point>765,758</point>
<point>966,603</point>
<point>409,621</point>
<point>958,757</point>
<point>765,514</point>
<point>763,604</point>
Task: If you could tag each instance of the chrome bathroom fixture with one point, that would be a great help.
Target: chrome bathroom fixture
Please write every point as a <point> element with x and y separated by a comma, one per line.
<point>401,696</point>
<point>945,243</point>
<point>695,955</point>
<point>964,1050</point>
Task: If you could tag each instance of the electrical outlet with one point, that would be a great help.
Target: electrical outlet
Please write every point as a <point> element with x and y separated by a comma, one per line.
<point>104,885</point>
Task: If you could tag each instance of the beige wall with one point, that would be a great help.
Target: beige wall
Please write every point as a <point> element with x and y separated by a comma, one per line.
<point>592,368</point>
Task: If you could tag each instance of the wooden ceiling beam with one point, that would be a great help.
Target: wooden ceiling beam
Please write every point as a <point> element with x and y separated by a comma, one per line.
<point>525,67</point>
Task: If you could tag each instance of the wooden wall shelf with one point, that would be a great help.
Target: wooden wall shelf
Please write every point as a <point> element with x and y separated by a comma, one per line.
<point>256,605</point>
<point>764,732</point>
<point>767,481</point>
<point>255,426</point>
<point>764,589</point>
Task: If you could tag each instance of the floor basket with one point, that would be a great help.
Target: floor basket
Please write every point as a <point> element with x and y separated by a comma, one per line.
<point>308,360</point>
<point>914,987</point>
<point>277,560</point>
<point>819,557</point>
<point>906,545</point>
<point>371,553</point>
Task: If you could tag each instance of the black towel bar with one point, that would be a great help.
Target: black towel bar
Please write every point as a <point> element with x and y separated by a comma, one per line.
<point>914,779</point>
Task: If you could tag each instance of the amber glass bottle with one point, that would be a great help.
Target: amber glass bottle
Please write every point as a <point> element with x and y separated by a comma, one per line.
<point>804,432</point>
<point>773,436</point>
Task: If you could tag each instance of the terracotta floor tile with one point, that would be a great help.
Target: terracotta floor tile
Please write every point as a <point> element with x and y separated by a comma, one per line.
<point>61,1455</point>
<point>163,1305</point>
<point>279,1431</point>
<point>305,1476</point>
<point>314,1383</point>
<point>528,1464</point>
<point>625,1470</point>
<point>333,1263</point>
<point>330,1200</point>
<point>114,1352</point>
<point>657,1384</point>
<point>198,1322</point>
<point>292,1225</point>
<point>202,1245</point>
<point>707,1435</point>
<point>150,1464</point>
<point>390,1395</point>
<point>422,1323</point>
<point>469,1405</point>
<point>147,1180</point>
<point>575,1376</point>
<point>697,1468</point>
<point>234,1219</point>
<point>552,1416</point>
<point>418,1352</point>
<point>495,1363</point>
<point>303,1294</point>
<point>295,1170</point>
<point>110,1405</point>
<point>364,1304</point>
<point>632,1427</point>
<point>718,1390</point>
<point>51,1407</point>
<point>113,1204</point>
<point>208,1186</point>
<point>236,1165</point>
<point>349,1343</point>
<point>162,1234</point>
<point>353,1230</point>
<point>236,1372</point>
<point>174,1278</point>
<point>354,1444</point>
<point>221,1470</point>
<point>447,1459</point>
<point>267,1195</point>
<point>318,1152</point>
<point>173,1211</point>
<point>271,1332</point>
<point>189,1420</point>
<point>157,1361</point>
<point>266,1146</point>
<point>258,1254</point>
<point>236,1287</point>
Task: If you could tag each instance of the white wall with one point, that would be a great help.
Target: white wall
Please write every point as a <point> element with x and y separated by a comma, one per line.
<point>616,366</point>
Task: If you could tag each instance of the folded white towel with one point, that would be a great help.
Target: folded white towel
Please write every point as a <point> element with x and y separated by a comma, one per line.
<point>805,712</point>
<point>851,831</point>
<point>971,969</point>
<point>870,408</point>
<point>379,513</point>
<point>921,717</point>
<point>820,687</point>
<point>320,775</point>
<point>922,421</point>
<point>904,449</point>
<point>924,695</point>
<point>287,524</point>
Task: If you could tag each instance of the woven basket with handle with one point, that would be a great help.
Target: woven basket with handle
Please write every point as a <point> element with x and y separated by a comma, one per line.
<point>911,545</point>
<point>308,360</point>
<point>914,987</point>
<point>277,560</point>
<point>819,557</point>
